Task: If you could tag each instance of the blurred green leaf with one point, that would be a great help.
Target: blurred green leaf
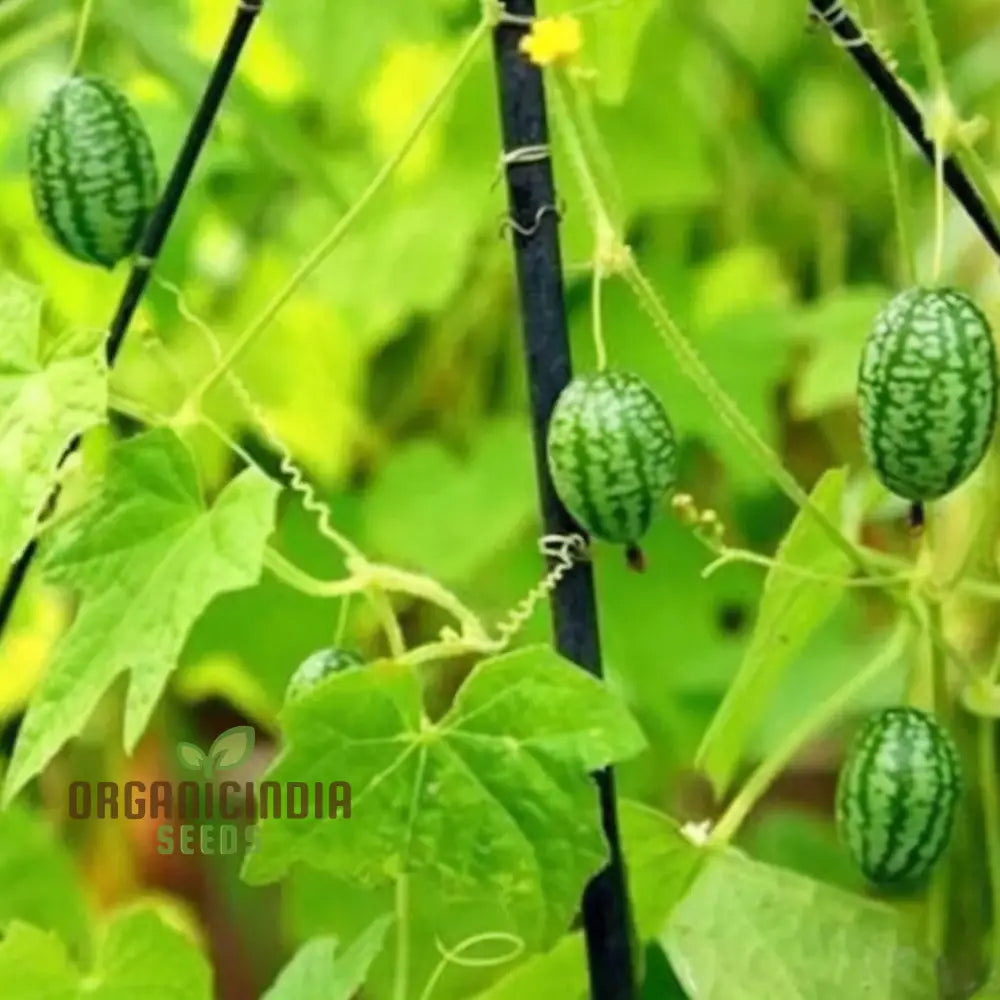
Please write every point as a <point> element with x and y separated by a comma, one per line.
<point>139,956</point>
<point>495,795</point>
<point>47,397</point>
<point>428,508</point>
<point>147,556</point>
<point>747,931</point>
<point>320,971</point>
<point>834,331</point>
<point>154,31</point>
<point>792,607</point>
<point>34,966</point>
<point>38,881</point>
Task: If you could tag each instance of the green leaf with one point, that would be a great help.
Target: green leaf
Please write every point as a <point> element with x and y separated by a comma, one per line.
<point>34,966</point>
<point>38,883</point>
<point>561,971</point>
<point>747,931</point>
<point>47,398</point>
<point>791,609</point>
<point>232,747</point>
<point>139,956</point>
<point>495,796</point>
<point>318,972</point>
<point>147,556</point>
<point>191,757</point>
<point>661,864</point>
<point>835,330</point>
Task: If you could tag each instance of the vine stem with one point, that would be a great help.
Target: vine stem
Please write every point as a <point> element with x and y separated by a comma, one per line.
<point>978,201</point>
<point>695,369</point>
<point>597,318</point>
<point>533,208</point>
<point>366,576</point>
<point>682,350</point>
<point>810,726</point>
<point>728,411</point>
<point>152,242</point>
<point>323,250</point>
<point>81,35</point>
<point>455,956</point>
<point>728,556</point>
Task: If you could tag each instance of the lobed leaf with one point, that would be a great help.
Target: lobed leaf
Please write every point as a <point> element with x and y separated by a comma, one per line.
<point>747,931</point>
<point>495,796</point>
<point>319,971</point>
<point>147,557</point>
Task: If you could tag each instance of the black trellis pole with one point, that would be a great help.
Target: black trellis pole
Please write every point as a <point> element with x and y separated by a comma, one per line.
<point>152,241</point>
<point>850,36</point>
<point>534,229</point>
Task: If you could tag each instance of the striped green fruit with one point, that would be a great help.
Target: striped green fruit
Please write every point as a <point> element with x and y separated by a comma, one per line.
<point>612,454</point>
<point>896,795</point>
<point>320,664</point>
<point>927,387</point>
<point>93,172</point>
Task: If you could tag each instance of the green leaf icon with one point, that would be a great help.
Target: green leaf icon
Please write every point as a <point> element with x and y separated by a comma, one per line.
<point>191,757</point>
<point>231,747</point>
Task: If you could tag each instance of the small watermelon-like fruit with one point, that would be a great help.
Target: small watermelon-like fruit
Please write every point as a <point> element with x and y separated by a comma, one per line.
<point>896,795</point>
<point>93,171</point>
<point>320,664</point>
<point>927,388</point>
<point>612,454</point>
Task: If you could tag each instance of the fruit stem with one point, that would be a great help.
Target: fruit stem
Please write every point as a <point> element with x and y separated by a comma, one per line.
<point>810,726</point>
<point>81,35</point>
<point>597,318</point>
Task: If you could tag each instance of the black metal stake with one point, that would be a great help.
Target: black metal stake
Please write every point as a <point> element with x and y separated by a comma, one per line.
<point>152,243</point>
<point>534,230</point>
<point>850,36</point>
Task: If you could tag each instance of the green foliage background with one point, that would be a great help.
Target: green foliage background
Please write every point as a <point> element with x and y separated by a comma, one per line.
<point>751,171</point>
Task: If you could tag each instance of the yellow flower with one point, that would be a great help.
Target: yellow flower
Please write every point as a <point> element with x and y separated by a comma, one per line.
<point>553,40</point>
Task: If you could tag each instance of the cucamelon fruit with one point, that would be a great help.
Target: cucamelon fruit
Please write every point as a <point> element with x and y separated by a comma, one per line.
<point>612,454</point>
<point>927,388</point>
<point>897,794</point>
<point>93,171</point>
<point>320,664</point>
